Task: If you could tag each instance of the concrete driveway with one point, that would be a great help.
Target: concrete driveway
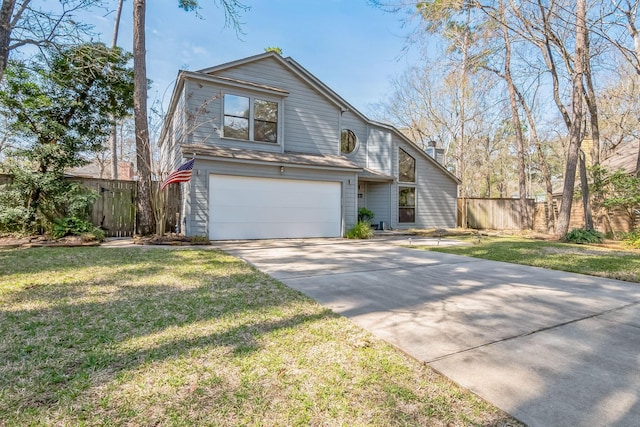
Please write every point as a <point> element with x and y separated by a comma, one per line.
<point>550,348</point>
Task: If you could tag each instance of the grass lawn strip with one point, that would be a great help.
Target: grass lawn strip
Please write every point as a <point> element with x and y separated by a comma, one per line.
<point>586,259</point>
<point>92,336</point>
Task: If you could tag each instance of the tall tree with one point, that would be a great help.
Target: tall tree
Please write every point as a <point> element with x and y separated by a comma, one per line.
<point>143,151</point>
<point>113,138</point>
<point>515,116</point>
<point>575,132</point>
<point>628,11</point>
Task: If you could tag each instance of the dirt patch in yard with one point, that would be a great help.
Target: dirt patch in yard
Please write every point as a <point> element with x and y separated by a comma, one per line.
<point>8,242</point>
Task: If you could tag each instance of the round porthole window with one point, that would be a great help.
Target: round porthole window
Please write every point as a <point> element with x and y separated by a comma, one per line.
<point>348,141</point>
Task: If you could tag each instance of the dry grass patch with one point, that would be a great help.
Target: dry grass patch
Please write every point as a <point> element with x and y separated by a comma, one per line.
<point>92,336</point>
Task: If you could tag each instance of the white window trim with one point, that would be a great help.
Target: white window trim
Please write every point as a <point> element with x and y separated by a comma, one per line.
<point>252,98</point>
<point>415,169</point>
<point>415,201</point>
<point>357,143</point>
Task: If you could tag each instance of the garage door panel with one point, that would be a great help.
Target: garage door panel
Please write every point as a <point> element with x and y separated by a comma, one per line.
<point>258,208</point>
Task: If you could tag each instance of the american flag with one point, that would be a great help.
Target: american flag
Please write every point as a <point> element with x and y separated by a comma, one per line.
<point>182,174</point>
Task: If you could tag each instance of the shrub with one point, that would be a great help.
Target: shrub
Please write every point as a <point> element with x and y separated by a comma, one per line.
<point>73,226</point>
<point>582,235</point>
<point>14,215</point>
<point>365,215</point>
<point>13,219</point>
<point>362,230</point>
<point>632,239</point>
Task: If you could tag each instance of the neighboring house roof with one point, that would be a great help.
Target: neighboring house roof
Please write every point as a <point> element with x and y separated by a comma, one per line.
<point>300,159</point>
<point>624,157</point>
<point>95,170</point>
<point>206,74</point>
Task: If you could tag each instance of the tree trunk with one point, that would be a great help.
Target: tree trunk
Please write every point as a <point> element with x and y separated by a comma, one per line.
<point>515,117</point>
<point>461,147</point>
<point>584,183</point>
<point>575,133</point>
<point>592,105</point>
<point>143,157</point>
<point>6,12</point>
<point>114,130</point>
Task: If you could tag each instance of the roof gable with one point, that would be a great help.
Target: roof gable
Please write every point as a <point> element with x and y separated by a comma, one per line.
<point>292,67</point>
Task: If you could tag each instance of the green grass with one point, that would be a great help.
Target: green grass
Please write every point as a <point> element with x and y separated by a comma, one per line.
<point>93,336</point>
<point>587,259</point>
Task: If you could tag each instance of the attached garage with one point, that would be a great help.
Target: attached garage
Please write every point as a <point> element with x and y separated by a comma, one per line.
<point>243,207</point>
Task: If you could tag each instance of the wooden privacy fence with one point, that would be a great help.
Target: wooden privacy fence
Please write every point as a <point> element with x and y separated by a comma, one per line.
<point>115,208</point>
<point>504,214</point>
<point>495,214</point>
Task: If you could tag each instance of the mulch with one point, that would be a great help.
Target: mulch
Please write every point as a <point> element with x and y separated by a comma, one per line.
<point>40,241</point>
<point>10,242</point>
<point>168,240</point>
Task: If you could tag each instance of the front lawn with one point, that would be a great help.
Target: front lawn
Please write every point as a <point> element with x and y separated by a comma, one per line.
<point>95,336</point>
<point>595,260</point>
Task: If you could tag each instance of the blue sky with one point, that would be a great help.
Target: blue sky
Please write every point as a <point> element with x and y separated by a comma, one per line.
<point>353,47</point>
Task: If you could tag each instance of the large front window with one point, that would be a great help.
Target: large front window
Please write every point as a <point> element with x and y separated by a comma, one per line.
<point>407,204</point>
<point>249,118</point>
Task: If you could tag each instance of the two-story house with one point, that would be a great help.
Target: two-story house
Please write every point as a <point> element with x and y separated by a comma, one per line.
<point>278,154</point>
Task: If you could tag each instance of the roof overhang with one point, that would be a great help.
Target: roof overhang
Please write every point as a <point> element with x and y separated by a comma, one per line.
<point>229,82</point>
<point>373,176</point>
<point>303,160</point>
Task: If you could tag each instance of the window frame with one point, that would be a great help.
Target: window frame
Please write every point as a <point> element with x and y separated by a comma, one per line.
<point>355,141</point>
<point>252,119</point>
<point>413,207</point>
<point>400,151</point>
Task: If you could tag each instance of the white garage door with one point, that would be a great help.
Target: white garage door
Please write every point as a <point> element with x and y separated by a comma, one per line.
<point>264,208</point>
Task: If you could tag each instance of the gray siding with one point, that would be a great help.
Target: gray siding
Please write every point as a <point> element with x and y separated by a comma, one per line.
<point>379,150</point>
<point>378,201</point>
<point>311,121</point>
<point>203,112</point>
<point>436,193</point>
<point>353,122</point>
<point>170,156</point>
<point>197,215</point>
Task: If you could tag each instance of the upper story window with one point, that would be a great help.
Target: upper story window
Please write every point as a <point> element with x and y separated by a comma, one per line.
<point>250,118</point>
<point>406,167</point>
<point>348,141</point>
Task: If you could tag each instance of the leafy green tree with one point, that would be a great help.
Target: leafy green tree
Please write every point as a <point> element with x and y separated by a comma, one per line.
<point>617,190</point>
<point>274,49</point>
<point>60,108</point>
<point>624,193</point>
